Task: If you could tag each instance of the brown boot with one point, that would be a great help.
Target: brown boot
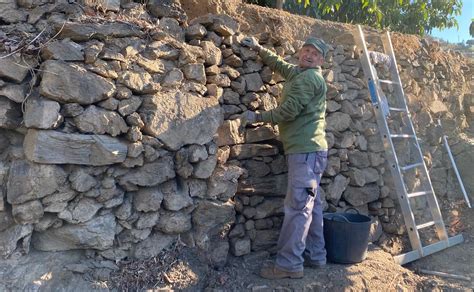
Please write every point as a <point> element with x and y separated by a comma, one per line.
<point>273,272</point>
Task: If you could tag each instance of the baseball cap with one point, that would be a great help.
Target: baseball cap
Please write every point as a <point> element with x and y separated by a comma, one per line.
<point>319,44</point>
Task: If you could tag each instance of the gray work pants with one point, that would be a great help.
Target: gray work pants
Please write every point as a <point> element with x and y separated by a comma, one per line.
<point>302,229</point>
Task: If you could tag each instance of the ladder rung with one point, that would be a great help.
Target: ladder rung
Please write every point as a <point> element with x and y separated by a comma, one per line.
<point>402,136</point>
<point>417,194</point>
<point>407,167</point>
<point>424,225</point>
<point>397,109</point>
<point>388,81</point>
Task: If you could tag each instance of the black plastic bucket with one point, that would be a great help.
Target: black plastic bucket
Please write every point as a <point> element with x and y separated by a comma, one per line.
<point>346,236</point>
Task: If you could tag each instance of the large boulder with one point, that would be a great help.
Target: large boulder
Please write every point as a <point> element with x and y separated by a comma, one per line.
<point>97,233</point>
<point>178,118</point>
<point>54,147</point>
<point>29,181</point>
<point>69,83</point>
<point>85,31</point>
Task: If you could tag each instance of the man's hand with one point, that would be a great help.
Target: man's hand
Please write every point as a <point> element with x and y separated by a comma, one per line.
<point>252,43</point>
<point>249,117</point>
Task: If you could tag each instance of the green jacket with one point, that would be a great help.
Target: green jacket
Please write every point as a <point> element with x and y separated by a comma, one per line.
<point>301,110</point>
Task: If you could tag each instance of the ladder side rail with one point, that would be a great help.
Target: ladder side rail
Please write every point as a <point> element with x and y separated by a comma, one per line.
<point>391,156</point>
<point>431,198</point>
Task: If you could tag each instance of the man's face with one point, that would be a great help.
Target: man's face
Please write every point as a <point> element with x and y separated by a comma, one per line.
<point>310,57</point>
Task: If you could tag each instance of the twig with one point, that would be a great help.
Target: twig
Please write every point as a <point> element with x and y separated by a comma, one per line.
<point>54,36</point>
<point>443,274</point>
<point>20,48</point>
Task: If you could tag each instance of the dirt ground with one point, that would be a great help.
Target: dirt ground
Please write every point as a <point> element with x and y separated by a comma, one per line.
<point>378,272</point>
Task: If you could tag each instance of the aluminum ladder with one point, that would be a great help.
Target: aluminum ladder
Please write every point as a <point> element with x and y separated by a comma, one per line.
<point>382,111</point>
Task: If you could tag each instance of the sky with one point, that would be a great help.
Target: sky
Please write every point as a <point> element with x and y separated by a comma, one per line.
<point>453,35</point>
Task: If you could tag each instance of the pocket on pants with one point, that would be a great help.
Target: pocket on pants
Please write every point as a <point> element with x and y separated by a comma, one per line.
<point>303,176</point>
<point>299,198</point>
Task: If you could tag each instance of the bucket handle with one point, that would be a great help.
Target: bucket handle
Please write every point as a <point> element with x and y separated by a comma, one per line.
<point>340,216</point>
<point>352,208</point>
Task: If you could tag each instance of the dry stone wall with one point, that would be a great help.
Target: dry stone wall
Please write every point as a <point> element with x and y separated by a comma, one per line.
<point>119,132</point>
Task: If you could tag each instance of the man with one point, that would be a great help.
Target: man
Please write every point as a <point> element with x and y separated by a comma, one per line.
<point>300,117</point>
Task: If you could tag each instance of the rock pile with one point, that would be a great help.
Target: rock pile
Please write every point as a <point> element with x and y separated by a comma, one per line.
<point>123,135</point>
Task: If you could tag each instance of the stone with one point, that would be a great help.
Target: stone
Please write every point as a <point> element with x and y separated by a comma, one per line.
<point>14,92</point>
<point>256,168</point>
<point>104,5</point>
<point>150,174</point>
<point>269,207</point>
<point>133,235</point>
<point>42,113</point>
<point>147,220</point>
<point>230,133</point>
<point>176,197</point>
<point>138,82</point>
<point>357,177</point>
<point>195,72</point>
<point>29,212</point>
<point>174,222</point>
<point>80,211</point>
<point>177,118</point>
<point>173,78</point>
<point>265,239</point>
<point>110,104</point>
<point>203,169</point>
<point>152,66</point>
<point>167,8</point>
<point>245,151</point>
<point>124,211</point>
<point>338,122</point>
<point>254,82</point>
<point>78,236</point>
<point>153,245</point>
<point>240,246</point>
<point>53,147</point>
<point>10,114</point>
<point>229,71</point>
<point>95,120</point>
<point>12,237</point>
<point>337,188</point>
<point>359,159</point>
<point>358,196</point>
<point>213,55</point>
<point>210,215</point>
<point>267,186</point>
<point>14,68</point>
<point>172,28</point>
<point>371,175</point>
<point>224,25</point>
<point>233,61</point>
<point>81,32</point>
<point>258,134</point>
<point>134,119</point>
<point>81,181</point>
<point>196,31</point>
<point>278,165</point>
<point>65,50</point>
<point>30,181</point>
<point>221,80</point>
<point>197,153</point>
<point>68,83</point>
<point>223,182</point>
<point>129,106</point>
<point>71,110</point>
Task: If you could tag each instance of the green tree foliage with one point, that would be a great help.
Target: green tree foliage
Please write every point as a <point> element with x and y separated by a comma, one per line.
<point>407,16</point>
<point>471,28</point>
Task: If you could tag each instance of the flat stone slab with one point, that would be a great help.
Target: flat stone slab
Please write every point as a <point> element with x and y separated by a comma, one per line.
<point>52,147</point>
